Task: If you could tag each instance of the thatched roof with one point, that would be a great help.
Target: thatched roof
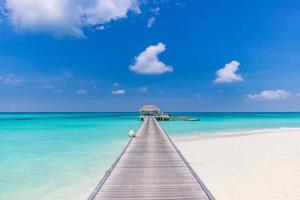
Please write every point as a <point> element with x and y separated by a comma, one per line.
<point>149,108</point>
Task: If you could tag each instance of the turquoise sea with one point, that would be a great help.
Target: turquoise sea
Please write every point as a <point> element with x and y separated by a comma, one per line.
<point>61,156</point>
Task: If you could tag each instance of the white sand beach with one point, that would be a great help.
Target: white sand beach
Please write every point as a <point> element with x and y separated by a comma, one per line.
<point>250,165</point>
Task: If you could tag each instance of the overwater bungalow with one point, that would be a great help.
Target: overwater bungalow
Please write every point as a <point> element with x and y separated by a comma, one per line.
<point>151,110</point>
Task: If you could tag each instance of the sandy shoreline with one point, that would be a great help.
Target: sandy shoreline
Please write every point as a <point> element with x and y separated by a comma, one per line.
<point>263,164</point>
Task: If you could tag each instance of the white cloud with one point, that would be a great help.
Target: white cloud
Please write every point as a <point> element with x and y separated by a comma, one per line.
<point>48,86</point>
<point>2,12</point>
<point>148,62</point>
<point>155,11</point>
<point>101,27</point>
<point>150,22</point>
<point>81,92</point>
<point>11,81</point>
<point>58,91</point>
<point>228,73</point>
<point>118,92</point>
<point>269,95</point>
<point>66,17</point>
<point>152,19</point>
<point>143,89</point>
<point>298,95</point>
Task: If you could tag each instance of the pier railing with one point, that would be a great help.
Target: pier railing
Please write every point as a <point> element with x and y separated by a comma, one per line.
<point>151,167</point>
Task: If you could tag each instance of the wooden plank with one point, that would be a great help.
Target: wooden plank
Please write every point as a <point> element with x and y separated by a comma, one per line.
<point>151,168</point>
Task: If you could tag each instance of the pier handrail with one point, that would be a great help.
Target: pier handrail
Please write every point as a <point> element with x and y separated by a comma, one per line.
<point>200,182</point>
<point>153,168</point>
<point>108,172</point>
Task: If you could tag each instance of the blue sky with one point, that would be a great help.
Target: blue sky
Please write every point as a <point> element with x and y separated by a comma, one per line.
<point>108,55</point>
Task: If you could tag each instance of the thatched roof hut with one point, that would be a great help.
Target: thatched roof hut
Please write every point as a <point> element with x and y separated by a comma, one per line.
<point>149,110</point>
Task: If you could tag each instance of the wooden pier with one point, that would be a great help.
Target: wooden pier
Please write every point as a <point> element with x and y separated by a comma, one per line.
<point>151,168</point>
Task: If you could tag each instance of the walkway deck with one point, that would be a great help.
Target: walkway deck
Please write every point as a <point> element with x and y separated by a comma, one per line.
<point>151,168</point>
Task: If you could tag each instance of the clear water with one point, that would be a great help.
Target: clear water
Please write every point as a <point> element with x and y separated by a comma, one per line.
<point>58,156</point>
<point>230,122</point>
<point>62,156</point>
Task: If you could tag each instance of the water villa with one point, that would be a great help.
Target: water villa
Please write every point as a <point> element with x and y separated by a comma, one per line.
<point>151,110</point>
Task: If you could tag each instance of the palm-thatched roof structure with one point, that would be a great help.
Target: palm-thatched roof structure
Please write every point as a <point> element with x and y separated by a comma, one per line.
<point>149,109</point>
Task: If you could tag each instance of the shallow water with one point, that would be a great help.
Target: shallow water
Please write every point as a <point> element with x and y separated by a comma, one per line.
<point>63,155</point>
<point>230,122</point>
<point>58,156</point>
